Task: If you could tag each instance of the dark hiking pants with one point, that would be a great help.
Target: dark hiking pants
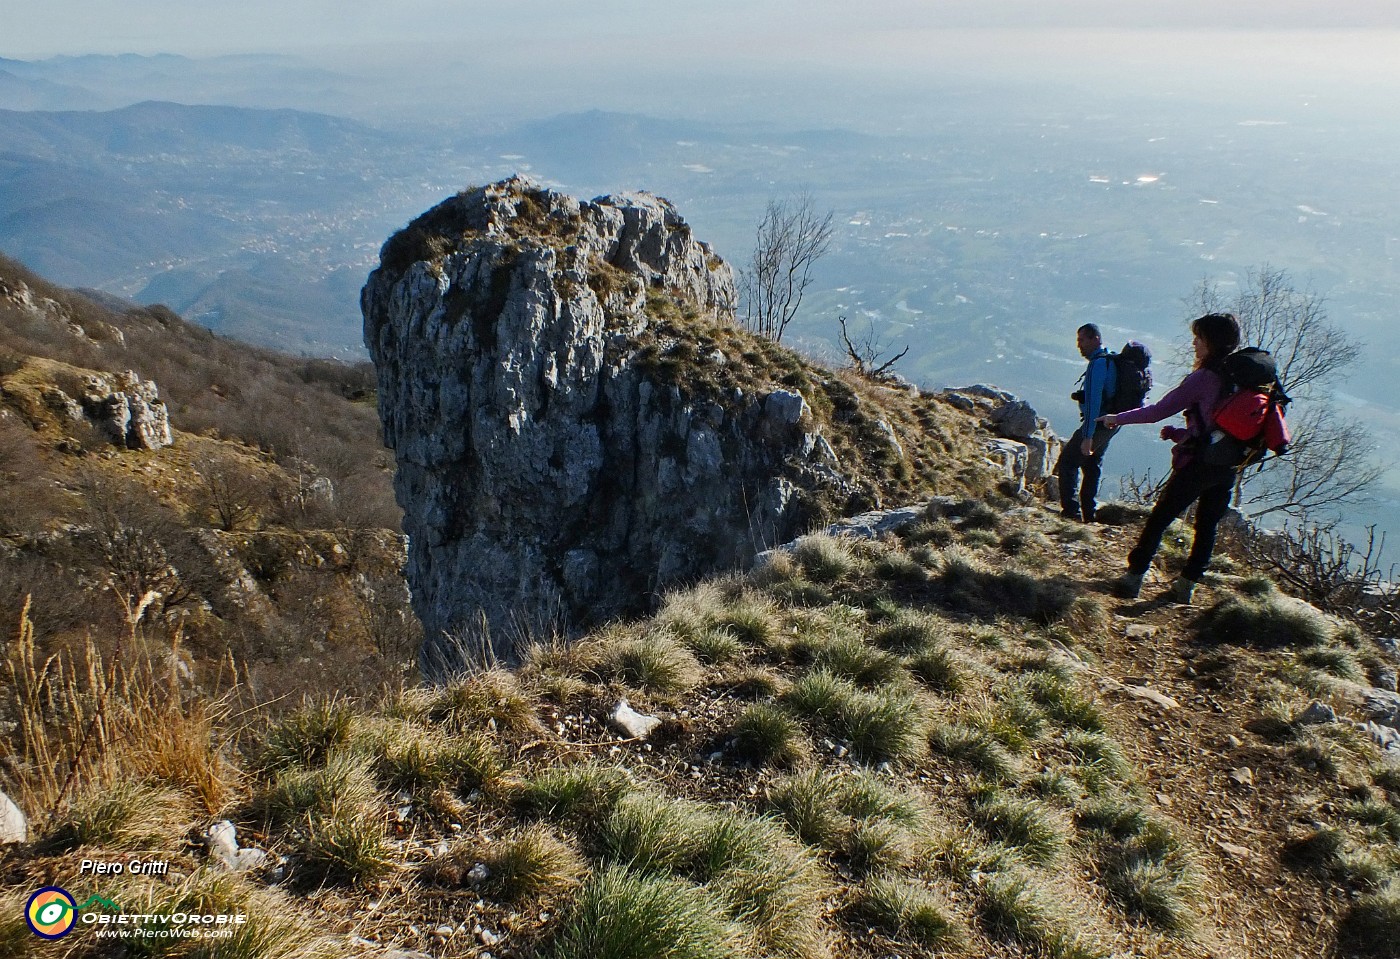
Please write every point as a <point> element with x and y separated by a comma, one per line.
<point>1080,499</point>
<point>1209,487</point>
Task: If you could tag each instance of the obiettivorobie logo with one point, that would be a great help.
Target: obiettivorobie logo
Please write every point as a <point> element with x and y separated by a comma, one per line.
<point>52,913</point>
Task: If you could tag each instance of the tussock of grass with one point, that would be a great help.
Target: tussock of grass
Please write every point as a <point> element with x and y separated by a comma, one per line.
<point>650,832</point>
<point>1113,815</point>
<point>751,619</point>
<point>1386,775</point>
<point>868,796</point>
<point>938,668</point>
<point>877,846</point>
<point>1382,819</point>
<point>966,584</point>
<point>763,879</point>
<point>654,661</point>
<point>16,941</point>
<point>125,814</point>
<point>1144,866</point>
<point>767,735</point>
<point>1015,906</point>
<point>898,566</point>
<point>849,656</point>
<point>420,760</point>
<point>975,747</point>
<point>909,911</point>
<point>825,559</point>
<point>1031,828</point>
<point>344,781</point>
<point>1099,757</point>
<point>1267,622</point>
<point>1372,926</point>
<point>1062,701</point>
<point>1055,784</point>
<point>780,901</point>
<point>859,816</point>
<point>1317,752</point>
<point>719,622</point>
<point>274,929</point>
<point>879,725</point>
<point>530,863</point>
<point>806,804</point>
<point>308,735</point>
<point>1335,661</point>
<point>620,914</point>
<point>752,682</point>
<point>493,700</point>
<point>715,647</point>
<point>965,853</point>
<point>1014,720</point>
<point>1159,892</point>
<point>910,632</point>
<point>346,845</point>
<point>1256,586</point>
<point>585,794</point>
<point>1318,850</point>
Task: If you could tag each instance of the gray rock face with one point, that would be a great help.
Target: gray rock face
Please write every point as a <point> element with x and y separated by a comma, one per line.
<point>129,410</point>
<point>549,471</point>
<point>1027,448</point>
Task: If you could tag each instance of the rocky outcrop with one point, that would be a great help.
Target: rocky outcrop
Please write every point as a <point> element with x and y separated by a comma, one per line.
<point>569,439</point>
<point>128,409</point>
<point>1025,448</point>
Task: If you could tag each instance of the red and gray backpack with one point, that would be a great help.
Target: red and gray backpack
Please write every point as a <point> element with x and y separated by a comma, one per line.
<point>1249,423</point>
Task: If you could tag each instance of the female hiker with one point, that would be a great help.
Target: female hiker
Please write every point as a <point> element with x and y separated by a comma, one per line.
<point>1216,336</point>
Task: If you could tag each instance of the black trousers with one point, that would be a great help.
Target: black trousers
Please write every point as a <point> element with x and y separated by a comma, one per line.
<point>1209,487</point>
<point>1076,497</point>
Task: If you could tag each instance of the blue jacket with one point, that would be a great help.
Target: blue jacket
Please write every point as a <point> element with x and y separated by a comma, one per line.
<point>1100,383</point>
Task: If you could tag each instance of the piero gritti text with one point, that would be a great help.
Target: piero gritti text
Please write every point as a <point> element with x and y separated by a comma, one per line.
<point>127,867</point>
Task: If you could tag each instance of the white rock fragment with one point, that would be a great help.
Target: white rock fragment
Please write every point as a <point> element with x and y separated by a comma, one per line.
<point>13,826</point>
<point>630,723</point>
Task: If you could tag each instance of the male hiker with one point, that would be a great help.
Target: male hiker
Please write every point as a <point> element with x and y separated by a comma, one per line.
<point>1084,450</point>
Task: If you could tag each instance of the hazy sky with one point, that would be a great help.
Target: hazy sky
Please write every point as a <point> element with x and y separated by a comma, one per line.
<point>199,27</point>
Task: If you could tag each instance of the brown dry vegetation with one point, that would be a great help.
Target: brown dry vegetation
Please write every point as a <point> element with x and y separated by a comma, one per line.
<point>267,530</point>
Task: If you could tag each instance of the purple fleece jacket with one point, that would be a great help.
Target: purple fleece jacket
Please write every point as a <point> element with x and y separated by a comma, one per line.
<point>1197,396</point>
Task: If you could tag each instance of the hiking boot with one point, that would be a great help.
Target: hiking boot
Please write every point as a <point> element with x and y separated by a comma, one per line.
<point>1180,591</point>
<point>1128,585</point>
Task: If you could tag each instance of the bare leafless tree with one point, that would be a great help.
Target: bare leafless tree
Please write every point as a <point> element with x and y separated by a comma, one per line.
<point>1332,462</point>
<point>865,354</point>
<point>791,237</point>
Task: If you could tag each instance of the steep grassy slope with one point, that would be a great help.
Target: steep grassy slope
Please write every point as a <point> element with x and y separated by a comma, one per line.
<point>951,741</point>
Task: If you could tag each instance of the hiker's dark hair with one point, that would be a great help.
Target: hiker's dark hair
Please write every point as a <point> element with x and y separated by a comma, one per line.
<point>1091,328</point>
<point>1221,331</point>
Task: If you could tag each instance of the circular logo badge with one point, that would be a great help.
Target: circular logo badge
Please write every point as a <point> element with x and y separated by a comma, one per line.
<point>51,913</point>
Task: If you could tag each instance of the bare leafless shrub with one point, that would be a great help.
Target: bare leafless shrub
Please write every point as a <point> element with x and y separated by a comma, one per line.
<point>791,237</point>
<point>385,617</point>
<point>1326,569</point>
<point>228,495</point>
<point>137,545</point>
<point>33,500</point>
